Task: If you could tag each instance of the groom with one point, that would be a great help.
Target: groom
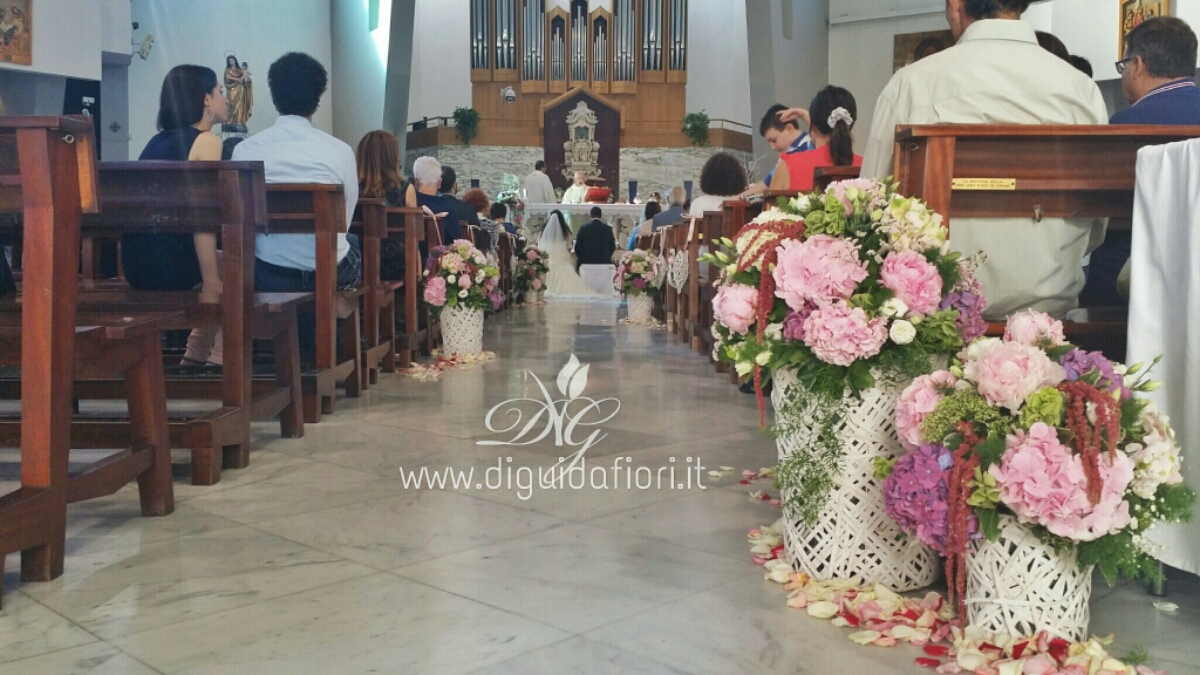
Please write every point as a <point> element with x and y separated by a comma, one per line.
<point>594,245</point>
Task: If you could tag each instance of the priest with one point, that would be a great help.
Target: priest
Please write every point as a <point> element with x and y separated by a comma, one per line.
<point>578,190</point>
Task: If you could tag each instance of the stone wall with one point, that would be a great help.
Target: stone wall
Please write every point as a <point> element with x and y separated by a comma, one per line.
<point>655,169</point>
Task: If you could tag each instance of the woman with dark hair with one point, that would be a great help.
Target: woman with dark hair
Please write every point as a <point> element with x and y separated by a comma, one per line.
<point>833,112</point>
<point>563,280</point>
<point>722,177</point>
<point>647,224</point>
<point>190,104</point>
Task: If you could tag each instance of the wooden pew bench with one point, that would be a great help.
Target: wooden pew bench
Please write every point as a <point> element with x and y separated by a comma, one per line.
<point>409,225</point>
<point>379,302</point>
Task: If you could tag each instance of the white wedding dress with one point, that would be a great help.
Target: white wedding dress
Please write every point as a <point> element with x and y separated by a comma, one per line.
<point>563,281</point>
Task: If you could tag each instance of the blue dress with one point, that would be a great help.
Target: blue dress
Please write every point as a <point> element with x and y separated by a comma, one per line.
<point>166,261</point>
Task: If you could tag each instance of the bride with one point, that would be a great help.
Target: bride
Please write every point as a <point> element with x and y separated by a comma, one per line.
<point>563,281</point>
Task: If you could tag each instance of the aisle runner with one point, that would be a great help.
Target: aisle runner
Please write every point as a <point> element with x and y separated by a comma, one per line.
<point>433,372</point>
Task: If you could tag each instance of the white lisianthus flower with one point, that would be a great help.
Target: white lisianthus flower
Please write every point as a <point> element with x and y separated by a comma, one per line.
<point>902,332</point>
<point>763,358</point>
<point>744,368</point>
<point>452,279</point>
<point>893,308</point>
<point>802,203</point>
<point>773,331</point>
<point>480,277</point>
<point>463,293</point>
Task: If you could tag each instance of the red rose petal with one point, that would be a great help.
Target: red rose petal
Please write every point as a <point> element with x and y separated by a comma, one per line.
<point>937,650</point>
<point>1059,649</point>
<point>1019,649</point>
<point>928,663</point>
<point>911,614</point>
<point>743,482</point>
<point>850,619</point>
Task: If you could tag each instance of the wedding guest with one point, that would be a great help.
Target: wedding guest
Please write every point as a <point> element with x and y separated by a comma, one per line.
<point>723,177</point>
<point>427,172</point>
<point>1053,45</point>
<point>595,243</point>
<point>1157,78</point>
<point>997,74</point>
<point>190,105</point>
<point>674,213</point>
<point>228,145</point>
<point>449,191</point>
<point>292,150</point>
<point>479,201</point>
<point>784,136</point>
<point>833,112</point>
<point>379,174</point>
<point>1082,65</point>
<point>499,213</point>
<point>647,225</point>
<point>927,47</point>
<point>538,187</point>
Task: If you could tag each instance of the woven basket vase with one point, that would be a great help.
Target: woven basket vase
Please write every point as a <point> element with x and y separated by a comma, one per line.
<point>462,331</point>
<point>853,536</point>
<point>1019,585</point>
<point>641,306</point>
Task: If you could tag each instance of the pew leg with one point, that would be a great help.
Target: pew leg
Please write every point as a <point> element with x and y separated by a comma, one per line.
<point>45,562</point>
<point>287,376</point>
<point>389,337</point>
<point>235,456</point>
<point>146,392</point>
<point>352,338</point>
<point>206,467</point>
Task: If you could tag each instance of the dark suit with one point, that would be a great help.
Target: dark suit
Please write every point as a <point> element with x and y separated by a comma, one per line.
<point>465,212</point>
<point>595,244</point>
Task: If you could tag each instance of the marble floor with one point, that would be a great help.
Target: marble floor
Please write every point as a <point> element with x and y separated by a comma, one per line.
<point>317,558</point>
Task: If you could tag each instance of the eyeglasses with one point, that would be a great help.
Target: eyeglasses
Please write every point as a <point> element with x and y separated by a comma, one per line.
<point>1121,64</point>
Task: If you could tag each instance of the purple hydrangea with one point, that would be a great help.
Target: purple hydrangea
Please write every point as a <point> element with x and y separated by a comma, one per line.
<point>497,300</point>
<point>1078,363</point>
<point>793,323</point>
<point>917,497</point>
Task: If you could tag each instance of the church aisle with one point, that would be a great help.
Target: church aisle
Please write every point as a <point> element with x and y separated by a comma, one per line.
<point>317,558</point>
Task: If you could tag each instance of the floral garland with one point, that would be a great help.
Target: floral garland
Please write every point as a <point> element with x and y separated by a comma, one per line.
<point>852,288</point>
<point>533,264</point>
<point>1031,426</point>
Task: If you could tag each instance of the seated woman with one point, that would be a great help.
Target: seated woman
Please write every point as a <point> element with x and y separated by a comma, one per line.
<point>190,104</point>
<point>499,213</point>
<point>647,224</point>
<point>479,201</point>
<point>379,173</point>
<point>723,177</point>
<point>833,112</point>
<point>427,172</point>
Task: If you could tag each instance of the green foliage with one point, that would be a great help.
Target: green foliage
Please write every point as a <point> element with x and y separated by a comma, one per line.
<point>883,468</point>
<point>1137,656</point>
<point>807,476</point>
<point>938,332</point>
<point>695,127</point>
<point>1044,405</point>
<point>466,122</point>
<point>989,523</point>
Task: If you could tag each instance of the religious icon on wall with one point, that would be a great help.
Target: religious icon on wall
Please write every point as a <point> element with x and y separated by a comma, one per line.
<point>581,149</point>
<point>1134,13</point>
<point>239,91</point>
<point>908,48</point>
<point>16,32</point>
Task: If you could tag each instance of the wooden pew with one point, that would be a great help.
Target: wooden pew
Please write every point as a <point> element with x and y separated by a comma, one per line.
<point>409,224</point>
<point>1031,171</point>
<point>220,197</point>
<point>379,303</point>
<point>433,330</point>
<point>824,175</point>
<point>505,250</point>
<point>48,171</point>
<point>319,210</point>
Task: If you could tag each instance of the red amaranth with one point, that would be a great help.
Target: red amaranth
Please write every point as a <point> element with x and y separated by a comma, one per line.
<point>958,516</point>
<point>1088,444</point>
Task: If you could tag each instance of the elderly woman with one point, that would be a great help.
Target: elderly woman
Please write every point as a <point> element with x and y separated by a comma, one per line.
<point>479,201</point>
<point>427,172</point>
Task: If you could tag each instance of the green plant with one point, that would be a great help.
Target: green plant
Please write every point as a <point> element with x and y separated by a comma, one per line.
<point>695,127</point>
<point>466,121</point>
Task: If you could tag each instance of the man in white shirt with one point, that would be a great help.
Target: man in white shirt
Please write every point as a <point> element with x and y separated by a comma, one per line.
<point>997,74</point>
<point>538,188</point>
<point>576,193</point>
<point>293,151</point>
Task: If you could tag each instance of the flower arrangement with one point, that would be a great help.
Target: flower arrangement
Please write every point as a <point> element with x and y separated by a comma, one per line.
<point>510,196</point>
<point>639,274</point>
<point>459,275</point>
<point>1033,427</point>
<point>533,264</point>
<point>841,287</point>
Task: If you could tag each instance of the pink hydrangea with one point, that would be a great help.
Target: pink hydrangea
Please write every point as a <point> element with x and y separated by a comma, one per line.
<point>464,282</point>
<point>918,401</point>
<point>871,189</point>
<point>531,254</point>
<point>1042,481</point>
<point>841,335</point>
<point>1032,327</point>
<point>435,291</point>
<point>734,305</point>
<point>1008,372</point>
<point>820,269</point>
<point>914,280</point>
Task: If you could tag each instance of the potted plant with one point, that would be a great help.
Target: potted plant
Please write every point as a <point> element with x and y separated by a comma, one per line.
<point>1040,463</point>
<point>466,122</point>
<point>459,286</point>
<point>695,127</point>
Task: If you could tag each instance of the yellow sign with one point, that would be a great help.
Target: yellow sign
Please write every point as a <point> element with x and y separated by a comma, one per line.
<point>1134,12</point>
<point>983,184</point>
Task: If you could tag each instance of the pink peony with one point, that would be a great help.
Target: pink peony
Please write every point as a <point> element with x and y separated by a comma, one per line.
<point>537,284</point>
<point>1032,327</point>
<point>1043,482</point>
<point>840,335</point>
<point>464,282</point>
<point>919,400</point>
<point>821,269</point>
<point>435,291</point>
<point>733,307</point>
<point>1008,372</point>
<point>914,280</point>
<point>531,255</point>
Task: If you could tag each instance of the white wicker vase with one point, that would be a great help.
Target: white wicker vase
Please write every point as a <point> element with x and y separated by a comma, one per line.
<point>462,331</point>
<point>641,307</point>
<point>853,536</point>
<point>1019,585</point>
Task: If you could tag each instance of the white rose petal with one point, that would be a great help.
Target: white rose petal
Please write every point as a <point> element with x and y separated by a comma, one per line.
<point>902,332</point>
<point>894,307</point>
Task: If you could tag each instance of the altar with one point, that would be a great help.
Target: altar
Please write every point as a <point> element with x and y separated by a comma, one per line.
<point>621,217</point>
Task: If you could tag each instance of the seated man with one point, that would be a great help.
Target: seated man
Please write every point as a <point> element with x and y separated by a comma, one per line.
<point>782,132</point>
<point>998,74</point>
<point>675,212</point>
<point>595,243</point>
<point>466,214</point>
<point>1157,76</point>
<point>293,151</point>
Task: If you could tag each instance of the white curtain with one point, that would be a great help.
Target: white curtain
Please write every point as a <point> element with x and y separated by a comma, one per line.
<point>1164,310</point>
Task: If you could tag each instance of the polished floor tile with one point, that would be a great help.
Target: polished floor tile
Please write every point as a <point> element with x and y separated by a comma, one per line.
<point>94,659</point>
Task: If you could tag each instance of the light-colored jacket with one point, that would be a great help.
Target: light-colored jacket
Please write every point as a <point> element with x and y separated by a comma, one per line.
<point>539,189</point>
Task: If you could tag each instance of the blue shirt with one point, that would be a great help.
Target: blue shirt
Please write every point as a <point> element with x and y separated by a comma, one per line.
<point>803,143</point>
<point>1176,103</point>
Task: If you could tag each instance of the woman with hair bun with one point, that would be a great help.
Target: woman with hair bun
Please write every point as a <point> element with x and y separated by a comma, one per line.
<point>833,113</point>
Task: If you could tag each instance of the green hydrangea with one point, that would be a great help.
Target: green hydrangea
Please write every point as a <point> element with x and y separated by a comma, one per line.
<point>960,406</point>
<point>831,220</point>
<point>883,468</point>
<point>1044,405</point>
<point>984,492</point>
<point>938,332</point>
